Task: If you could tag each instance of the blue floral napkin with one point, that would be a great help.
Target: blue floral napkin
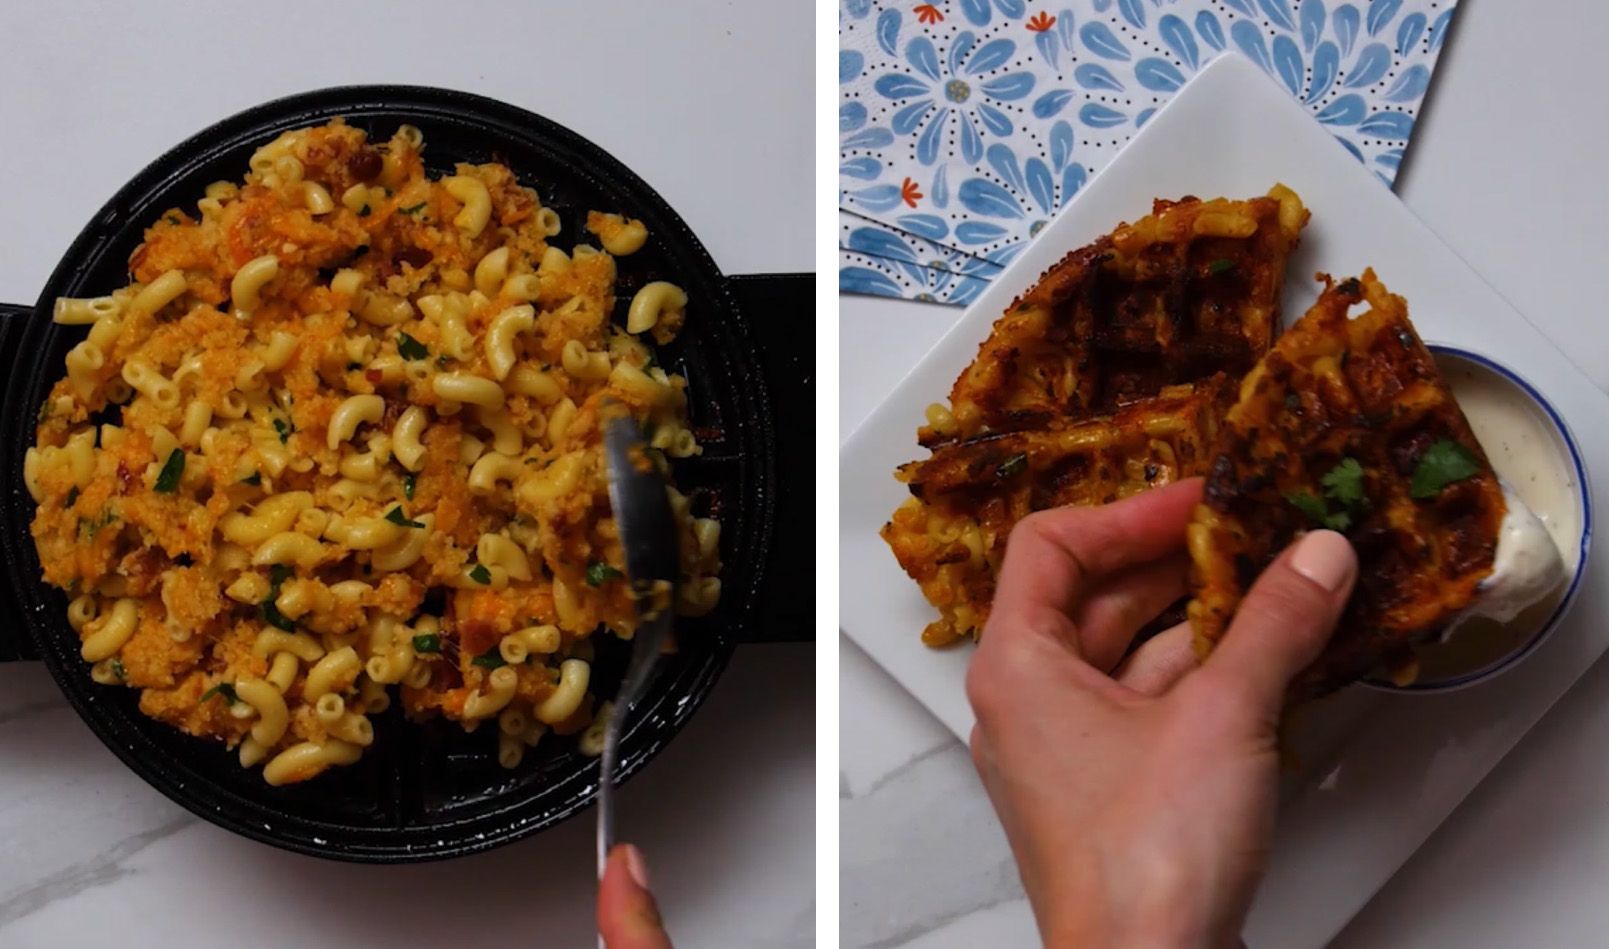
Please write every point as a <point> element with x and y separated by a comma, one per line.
<point>965,124</point>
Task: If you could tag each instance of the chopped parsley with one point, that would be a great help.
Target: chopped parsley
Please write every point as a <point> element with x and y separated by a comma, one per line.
<point>225,689</point>
<point>118,670</point>
<point>480,574</point>
<point>363,211</point>
<point>491,659</point>
<point>427,642</point>
<point>255,479</point>
<point>167,481</point>
<point>173,219</point>
<point>72,497</point>
<point>414,208</point>
<point>411,348</point>
<point>400,519</point>
<point>599,573</point>
<point>651,361</point>
<point>91,526</point>
<point>277,575</point>
<point>284,429</point>
<point>1443,463</point>
<point>442,360</point>
<point>409,482</point>
<point>44,412</point>
<point>1011,467</point>
<point>1221,265</point>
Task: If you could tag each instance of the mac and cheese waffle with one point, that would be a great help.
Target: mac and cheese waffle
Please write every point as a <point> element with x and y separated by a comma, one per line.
<point>1347,424</point>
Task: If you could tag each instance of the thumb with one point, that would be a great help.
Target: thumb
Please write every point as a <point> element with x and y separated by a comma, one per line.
<point>628,917</point>
<point>1286,618</point>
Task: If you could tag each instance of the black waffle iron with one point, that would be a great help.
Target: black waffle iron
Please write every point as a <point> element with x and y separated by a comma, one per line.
<point>429,791</point>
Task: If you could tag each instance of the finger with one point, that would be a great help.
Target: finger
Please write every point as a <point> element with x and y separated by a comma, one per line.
<point>1052,553</point>
<point>1107,620</point>
<point>1164,659</point>
<point>1286,618</point>
<point>628,918</point>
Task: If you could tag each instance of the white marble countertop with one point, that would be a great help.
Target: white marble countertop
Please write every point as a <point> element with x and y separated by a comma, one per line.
<point>710,102</point>
<point>1507,166</point>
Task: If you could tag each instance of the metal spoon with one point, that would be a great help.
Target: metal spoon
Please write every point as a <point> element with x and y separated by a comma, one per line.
<point>648,533</point>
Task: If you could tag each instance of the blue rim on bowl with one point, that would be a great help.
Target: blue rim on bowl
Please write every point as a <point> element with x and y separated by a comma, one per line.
<point>1584,491</point>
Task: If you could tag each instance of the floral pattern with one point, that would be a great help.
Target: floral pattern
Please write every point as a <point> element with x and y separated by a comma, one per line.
<point>966,124</point>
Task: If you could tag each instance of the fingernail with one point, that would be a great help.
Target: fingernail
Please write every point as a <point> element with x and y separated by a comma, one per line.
<point>636,866</point>
<point>1324,557</point>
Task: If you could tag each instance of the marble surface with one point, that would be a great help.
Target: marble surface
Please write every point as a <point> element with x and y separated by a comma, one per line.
<point>1507,167</point>
<point>91,91</point>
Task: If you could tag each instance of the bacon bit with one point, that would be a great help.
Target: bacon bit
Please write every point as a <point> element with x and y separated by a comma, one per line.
<point>374,376</point>
<point>125,477</point>
<point>477,636</point>
<point>908,192</point>
<point>1041,21</point>
<point>365,164</point>
<point>415,257</point>
<point>928,13</point>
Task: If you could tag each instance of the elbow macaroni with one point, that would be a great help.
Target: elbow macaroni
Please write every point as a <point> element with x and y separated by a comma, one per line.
<point>305,455</point>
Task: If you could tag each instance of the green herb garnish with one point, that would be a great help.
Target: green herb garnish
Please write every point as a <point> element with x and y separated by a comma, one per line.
<point>409,481</point>
<point>44,412</point>
<point>598,573</point>
<point>1344,483</point>
<point>118,670</point>
<point>1221,265</point>
<point>1011,467</point>
<point>1309,504</point>
<point>1444,463</point>
<point>284,429</point>
<point>91,526</point>
<point>489,660</point>
<point>400,519</point>
<point>363,211</point>
<point>172,219</point>
<point>411,348</point>
<point>414,208</point>
<point>225,689</point>
<point>427,642</point>
<point>167,481</point>
<point>255,479</point>
<point>277,575</point>
<point>480,574</point>
<point>442,360</point>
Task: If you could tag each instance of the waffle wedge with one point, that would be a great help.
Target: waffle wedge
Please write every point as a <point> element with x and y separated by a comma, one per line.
<point>1348,424</point>
<point>950,535</point>
<point>1191,290</point>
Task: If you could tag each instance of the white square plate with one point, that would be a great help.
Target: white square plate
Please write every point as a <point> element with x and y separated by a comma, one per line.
<point>1393,766</point>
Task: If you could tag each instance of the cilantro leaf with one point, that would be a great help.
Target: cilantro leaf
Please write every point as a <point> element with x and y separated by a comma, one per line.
<point>427,642</point>
<point>284,429</point>
<point>480,574</point>
<point>1344,483</point>
<point>413,208</point>
<point>363,211</point>
<point>410,348</point>
<point>1309,504</point>
<point>279,573</point>
<point>255,479</point>
<point>400,519</point>
<point>225,689</point>
<point>118,670</point>
<point>1011,467</point>
<point>492,659</point>
<point>1339,521</point>
<point>167,481</point>
<point>598,573</point>
<point>1444,463</point>
<point>408,483</point>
